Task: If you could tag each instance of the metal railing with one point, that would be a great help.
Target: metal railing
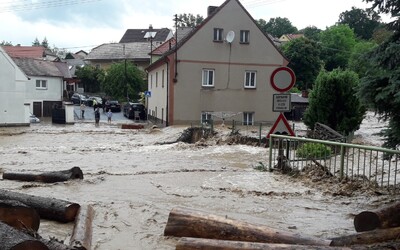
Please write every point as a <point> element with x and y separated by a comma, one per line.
<point>344,160</point>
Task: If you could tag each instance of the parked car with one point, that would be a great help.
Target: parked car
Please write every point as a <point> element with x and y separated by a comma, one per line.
<point>131,108</point>
<point>33,118</point>
<point>78,99</point>
<point>113,105</point>
<point>92,98</point>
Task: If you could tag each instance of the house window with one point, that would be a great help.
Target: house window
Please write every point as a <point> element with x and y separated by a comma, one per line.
<point>206,117</point>
<point>248,118</point>
<point>162,78</point>
<point>244,36</point>
<point>151,81</point>
<point>208,78</point>
<point>41,84</point>
<point>250,79</point>
<point>156,79</point>
<point>218,34</point>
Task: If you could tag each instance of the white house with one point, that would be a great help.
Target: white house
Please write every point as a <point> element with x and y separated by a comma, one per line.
<point>13,109</point>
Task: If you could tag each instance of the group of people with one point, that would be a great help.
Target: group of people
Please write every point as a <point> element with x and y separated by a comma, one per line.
<point>96,113</point>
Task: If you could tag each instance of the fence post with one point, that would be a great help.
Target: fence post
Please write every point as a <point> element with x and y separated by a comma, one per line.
<point>342,161</point>
<point>270,152</point>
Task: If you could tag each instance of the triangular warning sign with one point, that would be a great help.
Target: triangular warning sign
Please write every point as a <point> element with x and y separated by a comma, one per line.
<point>281,127</point>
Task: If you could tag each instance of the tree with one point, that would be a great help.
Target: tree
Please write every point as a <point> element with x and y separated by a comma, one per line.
<point>362,22</point>
<point>90,78</point>
<point>45,43</point>
<point>380,89</point>
<point>278,27</point>
<point>36,42</point>
<point>337,45</point>
<point>311,32</point>
<point>333,102</point>
<point>359,59</point>
<point>305,61</point>
<point>189,20</point>
<point>381,34</point>
<point>4,43</point>
<point>123,80</point>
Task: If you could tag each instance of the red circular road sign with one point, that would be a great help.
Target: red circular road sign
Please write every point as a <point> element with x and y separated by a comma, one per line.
<point>283,79</point>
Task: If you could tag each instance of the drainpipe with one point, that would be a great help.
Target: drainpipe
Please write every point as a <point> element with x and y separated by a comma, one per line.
<point>167,106</point>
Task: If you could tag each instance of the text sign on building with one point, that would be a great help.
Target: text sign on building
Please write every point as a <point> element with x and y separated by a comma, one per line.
<point>281,103</point>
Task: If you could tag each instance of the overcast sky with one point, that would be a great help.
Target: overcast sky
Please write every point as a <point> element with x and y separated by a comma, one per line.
<point>84,24</point>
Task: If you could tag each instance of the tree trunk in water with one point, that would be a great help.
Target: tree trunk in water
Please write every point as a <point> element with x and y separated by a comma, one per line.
<point>210,244</point>
<point>47,177</point>
<point>48,208</point>
<point>18,215</point>
<point>82,234</point>
<point>385,217</point>
<point>192,223</point>
<point>370,237</point>
<point>13,239</point>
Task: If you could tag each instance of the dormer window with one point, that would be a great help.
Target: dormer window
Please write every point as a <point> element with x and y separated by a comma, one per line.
<point>218,34</point>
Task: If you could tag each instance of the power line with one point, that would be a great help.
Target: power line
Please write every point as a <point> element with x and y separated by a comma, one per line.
<point>15,7</point>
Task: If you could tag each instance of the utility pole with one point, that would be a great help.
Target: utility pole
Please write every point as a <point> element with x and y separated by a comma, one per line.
<point>126,78</point>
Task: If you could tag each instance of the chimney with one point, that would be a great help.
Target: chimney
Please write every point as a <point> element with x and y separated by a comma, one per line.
<point>211,10</point>
<point>304,93</point>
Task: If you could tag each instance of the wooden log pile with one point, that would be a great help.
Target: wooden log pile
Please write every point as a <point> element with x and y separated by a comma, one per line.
<point>200,230</point>
<point>20,215</point>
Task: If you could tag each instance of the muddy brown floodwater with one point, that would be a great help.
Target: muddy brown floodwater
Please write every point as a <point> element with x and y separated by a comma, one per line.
<point>133,181</point>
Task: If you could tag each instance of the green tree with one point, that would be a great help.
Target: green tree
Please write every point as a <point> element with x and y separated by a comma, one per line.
<point>278,27</point>
<point>4,43</point>
<point>380,89</point>
<point>45,43</point>
<point>124,80</point>
<point>304,56</point>
<point>36,42</point>
<point>311,32</point>
<point>362,22</point>
<point>381,34</point>
<point>359,59</point>
<point>189,20</point>
<point>90,77</point>
<point>333,102</point>
<point>337,45</point>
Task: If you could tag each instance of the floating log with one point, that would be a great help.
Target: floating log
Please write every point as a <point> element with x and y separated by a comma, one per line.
<point>370,237</point>
<point>48,208</point>
<point>132,126</point>
<point>18,215</point>
<point>386,217</point>
<point>82,234</point>
<point>47,177</point>
<point>13,239</point>
<point>211,244</point>
<point>192,223</point>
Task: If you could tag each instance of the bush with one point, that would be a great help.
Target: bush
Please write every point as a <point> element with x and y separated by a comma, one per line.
<point>313,150</point>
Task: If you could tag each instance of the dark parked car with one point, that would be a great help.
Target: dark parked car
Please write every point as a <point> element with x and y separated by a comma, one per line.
<point>130,109</point>
<point>78,99</point>
<point>113,105</point>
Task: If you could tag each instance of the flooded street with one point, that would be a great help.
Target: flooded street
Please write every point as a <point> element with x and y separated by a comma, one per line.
<point>133,179</point>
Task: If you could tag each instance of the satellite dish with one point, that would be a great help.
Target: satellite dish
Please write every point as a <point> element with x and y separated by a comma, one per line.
<point>230,36</point>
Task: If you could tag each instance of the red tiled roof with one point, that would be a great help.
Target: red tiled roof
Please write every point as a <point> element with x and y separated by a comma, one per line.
<point>25,51</point>
<point>165,47</point>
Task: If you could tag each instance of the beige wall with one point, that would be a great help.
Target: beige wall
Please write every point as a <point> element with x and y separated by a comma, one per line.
<point>230,61</point>
<point>157,103</point>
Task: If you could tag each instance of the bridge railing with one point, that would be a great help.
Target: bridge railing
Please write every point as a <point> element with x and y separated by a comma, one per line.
<point>344,160</point>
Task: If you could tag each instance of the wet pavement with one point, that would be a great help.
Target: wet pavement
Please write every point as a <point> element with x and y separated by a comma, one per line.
<point>133,179</point>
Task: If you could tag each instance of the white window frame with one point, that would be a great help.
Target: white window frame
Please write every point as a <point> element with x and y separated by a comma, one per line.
<point>41,84</point>
<point>206,117</point>
<point>250,79</point>
<point>206,81</point>
<point>218,35</point>
<point>248,118</point>
<point>245,36</point>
